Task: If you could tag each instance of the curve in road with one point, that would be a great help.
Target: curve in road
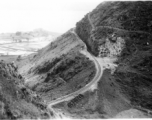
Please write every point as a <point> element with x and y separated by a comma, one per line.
<point>96,78</point>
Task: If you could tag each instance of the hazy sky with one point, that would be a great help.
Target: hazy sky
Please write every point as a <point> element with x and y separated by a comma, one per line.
<point>53,15</point>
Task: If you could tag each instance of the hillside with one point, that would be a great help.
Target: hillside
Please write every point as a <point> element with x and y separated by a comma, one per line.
<point>16,100</point>
<point>27,36</point>
<point>122,30</point>
<point>117,35</point>
<point>59,68</point>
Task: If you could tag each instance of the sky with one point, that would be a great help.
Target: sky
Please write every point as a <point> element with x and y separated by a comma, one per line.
<point>52,15</point>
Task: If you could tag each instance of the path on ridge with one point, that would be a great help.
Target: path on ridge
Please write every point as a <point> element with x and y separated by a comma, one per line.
<point>131,31</point>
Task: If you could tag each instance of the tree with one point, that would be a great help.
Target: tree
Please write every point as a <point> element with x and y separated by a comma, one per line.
<point>18,33</point>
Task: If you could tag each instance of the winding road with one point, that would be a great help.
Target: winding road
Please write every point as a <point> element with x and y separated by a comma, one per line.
<point>99,71</point>
<point>97,77</point>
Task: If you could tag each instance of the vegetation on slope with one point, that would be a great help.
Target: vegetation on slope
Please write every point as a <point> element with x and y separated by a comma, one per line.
<point>133,16</point>
<point>130,17</point>
<point>59,68</point>
<point>16,100</point>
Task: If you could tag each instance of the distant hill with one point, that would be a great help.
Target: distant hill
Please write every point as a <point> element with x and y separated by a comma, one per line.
<point>23,36</point>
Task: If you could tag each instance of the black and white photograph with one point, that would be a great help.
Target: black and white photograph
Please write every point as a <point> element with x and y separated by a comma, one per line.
<point>75,59</point>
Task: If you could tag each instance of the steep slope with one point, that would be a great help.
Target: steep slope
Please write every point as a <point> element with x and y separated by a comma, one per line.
<point>59,68</point>
<point>16,100</point>
<point>122,18</point>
